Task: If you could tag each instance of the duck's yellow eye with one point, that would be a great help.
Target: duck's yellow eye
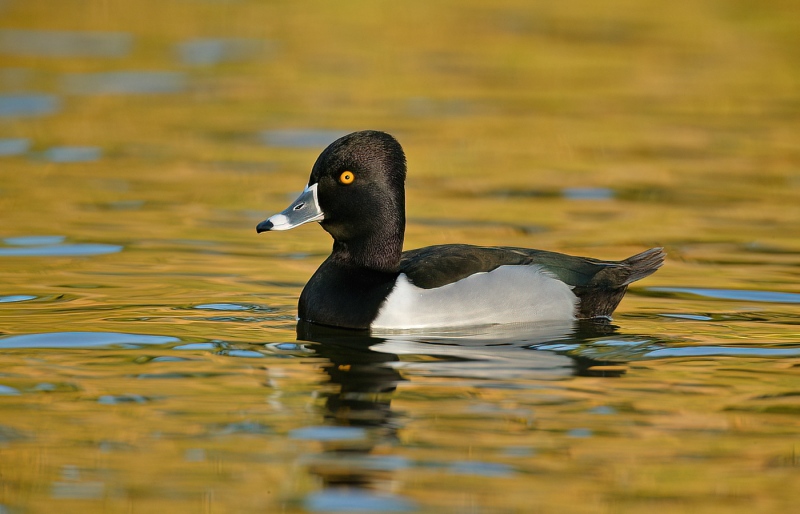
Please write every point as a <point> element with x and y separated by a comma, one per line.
<point>347,177</point>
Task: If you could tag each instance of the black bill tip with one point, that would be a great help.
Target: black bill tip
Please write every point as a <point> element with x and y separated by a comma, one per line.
<point>264,226</point>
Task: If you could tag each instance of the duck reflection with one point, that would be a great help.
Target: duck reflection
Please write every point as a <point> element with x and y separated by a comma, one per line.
<point>365,378</point>
<point>368,368</point>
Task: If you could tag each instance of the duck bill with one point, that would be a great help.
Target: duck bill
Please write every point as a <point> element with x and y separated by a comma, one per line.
<point>303,210</point>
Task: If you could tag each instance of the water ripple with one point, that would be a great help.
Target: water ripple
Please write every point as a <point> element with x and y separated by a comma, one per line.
<point>249,307</point>
<point>28,105</point>
<point>52,246</point>
<point>356,500</point>
<point>245,354</point>
<point>34,240</point>
<point>110,399</point>
<point>206,347</point>
<point>731,294</point>
<point>72,154</point>
<point>242,427</point>
<point>588,193</point>
<point>124,82</point>
<point>718,351</point>
<point>8,391</point>
<point>486,469</point>
<point>57,43</point>
<point>14,146</point>
<point>211,51</point>
<point>81,340</point>
<point>16,298</point>
<point>61,250</point>
<point>328,433</point>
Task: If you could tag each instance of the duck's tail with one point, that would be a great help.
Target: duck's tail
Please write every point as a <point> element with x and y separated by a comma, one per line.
<point>601,296</point>
<point>644,264</point>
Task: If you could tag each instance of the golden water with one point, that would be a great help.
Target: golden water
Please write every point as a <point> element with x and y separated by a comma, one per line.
<point>148,352</point>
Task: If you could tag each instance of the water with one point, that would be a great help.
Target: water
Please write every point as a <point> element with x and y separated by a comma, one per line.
<point>149,355</point>
<point>54,43</point>
<point>124,82</point>
<point>20,105</point>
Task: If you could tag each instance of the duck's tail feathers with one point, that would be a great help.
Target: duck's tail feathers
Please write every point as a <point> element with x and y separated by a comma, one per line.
<point>644,264</point>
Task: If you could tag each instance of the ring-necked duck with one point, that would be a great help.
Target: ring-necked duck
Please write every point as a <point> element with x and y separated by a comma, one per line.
<point>357,193</point>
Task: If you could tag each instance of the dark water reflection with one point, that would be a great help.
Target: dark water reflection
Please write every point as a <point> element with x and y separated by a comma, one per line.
<point>366,371</point>
<point>356,465</point>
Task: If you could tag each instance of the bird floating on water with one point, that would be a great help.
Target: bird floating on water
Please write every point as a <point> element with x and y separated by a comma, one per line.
<point>356,192</point>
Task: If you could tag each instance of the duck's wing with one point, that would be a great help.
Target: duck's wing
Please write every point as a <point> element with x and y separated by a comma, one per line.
<point>599,284</point>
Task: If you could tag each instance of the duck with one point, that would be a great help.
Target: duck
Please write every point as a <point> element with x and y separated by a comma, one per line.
<point>356,192</point>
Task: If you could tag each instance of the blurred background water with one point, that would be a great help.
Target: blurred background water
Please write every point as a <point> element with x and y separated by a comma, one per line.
<point>149,355</point>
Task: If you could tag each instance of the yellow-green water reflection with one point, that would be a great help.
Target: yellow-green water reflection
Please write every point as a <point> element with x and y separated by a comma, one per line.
<point>148,353</point>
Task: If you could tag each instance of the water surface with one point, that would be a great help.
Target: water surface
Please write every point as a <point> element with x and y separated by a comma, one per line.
<point>150,360</point>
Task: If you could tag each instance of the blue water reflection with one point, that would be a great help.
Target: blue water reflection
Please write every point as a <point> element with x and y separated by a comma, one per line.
<point>110,399</point>
<point>718,351</point>
<point>21,105</point>
<point>82,340</point>
<point>479,468</point>
<point>210,51</point>
<point>579,433</point>
<point>361,461</point>
<point>60,250</point>
<point>34,240</point>
<point>588,193</point>
<point>328,433</point>
<point>8,391</point>
<point>206,347</point>
<point>124,82</point>
<point>732,294</point>
<point>246,307</point>
<point>55,43</point>
<point>221,307</point>
<point>52,246</point>
<point>18,146</point>
<point>72,154</point>
<point>603,410</point>
<point>356,500</point>
<point>692,317</point>
<point>245,354</point>
<point>16,298</point>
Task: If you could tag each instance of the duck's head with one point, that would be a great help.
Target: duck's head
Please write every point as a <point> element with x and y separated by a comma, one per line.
<point>356,191</point>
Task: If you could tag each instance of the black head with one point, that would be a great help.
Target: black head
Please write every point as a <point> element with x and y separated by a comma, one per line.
<point>357,192</point>
<point>361,185</point>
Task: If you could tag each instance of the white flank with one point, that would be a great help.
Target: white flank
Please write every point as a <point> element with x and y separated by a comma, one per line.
<point>508,294</point>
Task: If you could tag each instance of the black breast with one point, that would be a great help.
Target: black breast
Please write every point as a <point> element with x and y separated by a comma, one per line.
<point>344,296</point>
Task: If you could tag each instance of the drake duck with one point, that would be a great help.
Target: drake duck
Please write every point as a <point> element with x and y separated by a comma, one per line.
<point>356,192</point>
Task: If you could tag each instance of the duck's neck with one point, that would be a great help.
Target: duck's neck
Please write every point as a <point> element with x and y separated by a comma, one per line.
<point>379,251</point>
